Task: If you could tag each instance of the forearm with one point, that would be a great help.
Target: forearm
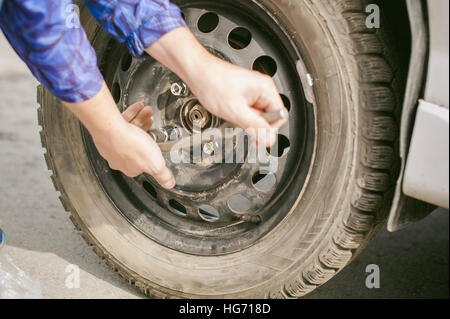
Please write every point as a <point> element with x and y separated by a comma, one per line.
<point>99,114</point>
<point>187,58</point>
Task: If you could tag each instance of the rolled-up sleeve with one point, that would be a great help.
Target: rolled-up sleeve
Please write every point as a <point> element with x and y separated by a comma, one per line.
<point>47,36</point>
<point>137,23</point>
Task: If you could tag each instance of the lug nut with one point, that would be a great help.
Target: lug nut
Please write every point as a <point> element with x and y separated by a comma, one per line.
<point>173,133</point>
<point>210,148</point>
<point>179,89</point>
<point>165,134</point>
<point>159,135</point>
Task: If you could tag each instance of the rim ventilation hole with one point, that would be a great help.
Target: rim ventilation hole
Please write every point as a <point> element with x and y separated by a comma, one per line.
<point>208,22</point>
<point>178,208</point>
<point>150,189</point>
<point>239,38</point>
<point>266,65</point>
<point>116,92</point>
<point>281,147</point>
<point>126,62</point>
<point>264,181</point>
<point>208,213</point>
<point>286,101</point>
<point>239,204</point>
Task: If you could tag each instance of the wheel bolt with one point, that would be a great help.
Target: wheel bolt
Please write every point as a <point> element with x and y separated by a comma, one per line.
<point>210,148</point>
<point>172,132</point>
<point>179,89</point>
<point>165,134</point>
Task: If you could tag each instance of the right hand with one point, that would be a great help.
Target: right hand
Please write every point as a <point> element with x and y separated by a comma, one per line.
<point>129,148</point>
<point>239,96</point>
<point>230,92</point>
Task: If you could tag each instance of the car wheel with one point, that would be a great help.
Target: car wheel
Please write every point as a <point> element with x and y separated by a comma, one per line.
<point>233,230</point>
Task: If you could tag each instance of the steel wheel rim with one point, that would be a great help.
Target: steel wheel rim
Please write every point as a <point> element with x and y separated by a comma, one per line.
<point>190,221</point>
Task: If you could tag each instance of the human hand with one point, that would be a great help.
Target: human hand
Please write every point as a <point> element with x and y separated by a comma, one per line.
<point>230,92</point>
<point>122,139</point>
<point>239,96</point>
<point>131,150</point>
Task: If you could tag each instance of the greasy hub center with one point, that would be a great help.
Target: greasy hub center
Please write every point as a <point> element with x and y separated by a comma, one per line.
<point>194,117</point>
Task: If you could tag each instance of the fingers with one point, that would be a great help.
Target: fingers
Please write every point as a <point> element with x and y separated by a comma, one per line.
<point>147,124</point>
<point>261,131</point>
<point>270,100</point>
<point>160,172</point>
<point>143,118</point>
<point>156,166</point>
<point>131,112</point>
<point>165,178</point>
<point>139,115</point>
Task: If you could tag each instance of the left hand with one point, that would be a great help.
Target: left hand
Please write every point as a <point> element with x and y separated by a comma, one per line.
<point>123,139</point>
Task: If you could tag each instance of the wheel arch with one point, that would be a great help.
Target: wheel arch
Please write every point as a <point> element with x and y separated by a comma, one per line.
<point>406,210</point>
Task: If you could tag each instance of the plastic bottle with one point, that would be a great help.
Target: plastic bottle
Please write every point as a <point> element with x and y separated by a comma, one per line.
<point>14,282</point>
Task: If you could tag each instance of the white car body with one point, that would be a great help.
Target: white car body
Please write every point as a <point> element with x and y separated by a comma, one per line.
<point>425,174</point>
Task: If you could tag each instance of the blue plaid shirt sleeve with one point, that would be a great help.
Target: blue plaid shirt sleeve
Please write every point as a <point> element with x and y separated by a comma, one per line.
<point>137,23</point>
<point>61,57</point>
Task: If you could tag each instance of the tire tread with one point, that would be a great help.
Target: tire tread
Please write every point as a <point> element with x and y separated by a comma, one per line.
<point>379,103</point>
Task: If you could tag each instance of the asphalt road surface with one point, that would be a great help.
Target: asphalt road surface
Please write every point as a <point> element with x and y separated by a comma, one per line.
<point>42,241</point>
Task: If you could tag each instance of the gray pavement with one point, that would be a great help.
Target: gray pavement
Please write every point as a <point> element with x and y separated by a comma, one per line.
<point>43,242</point>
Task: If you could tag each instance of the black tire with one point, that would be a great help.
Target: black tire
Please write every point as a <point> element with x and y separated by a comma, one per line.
<point>349,191</point>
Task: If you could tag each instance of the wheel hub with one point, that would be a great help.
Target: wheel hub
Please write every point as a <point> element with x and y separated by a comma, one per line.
<point>195,118</point>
